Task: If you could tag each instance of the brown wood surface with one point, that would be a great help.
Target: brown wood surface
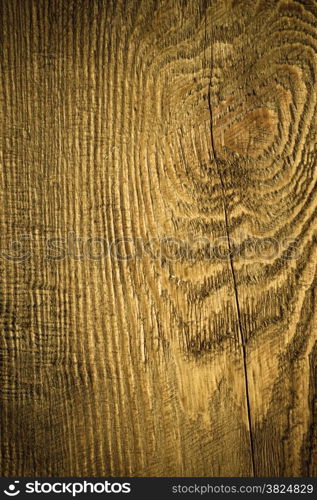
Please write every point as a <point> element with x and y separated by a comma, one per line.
<point>141,120</point>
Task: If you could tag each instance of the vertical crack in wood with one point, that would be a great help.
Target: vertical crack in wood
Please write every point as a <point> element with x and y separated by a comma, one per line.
<point>214,158</point>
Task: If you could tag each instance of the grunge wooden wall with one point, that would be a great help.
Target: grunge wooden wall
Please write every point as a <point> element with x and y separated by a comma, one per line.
<point>186,129</point>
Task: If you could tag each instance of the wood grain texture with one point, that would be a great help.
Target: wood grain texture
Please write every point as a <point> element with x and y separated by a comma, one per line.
<point>159,121</point>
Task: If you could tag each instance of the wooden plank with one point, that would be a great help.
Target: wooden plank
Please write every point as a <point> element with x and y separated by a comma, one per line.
<point>158,310</point>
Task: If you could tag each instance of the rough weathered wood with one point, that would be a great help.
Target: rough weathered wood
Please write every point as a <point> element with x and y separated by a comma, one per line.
<point>135,122</point>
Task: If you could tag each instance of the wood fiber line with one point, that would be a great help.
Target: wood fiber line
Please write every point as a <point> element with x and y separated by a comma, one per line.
<point>185,133</point>
<point>214,159</point>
